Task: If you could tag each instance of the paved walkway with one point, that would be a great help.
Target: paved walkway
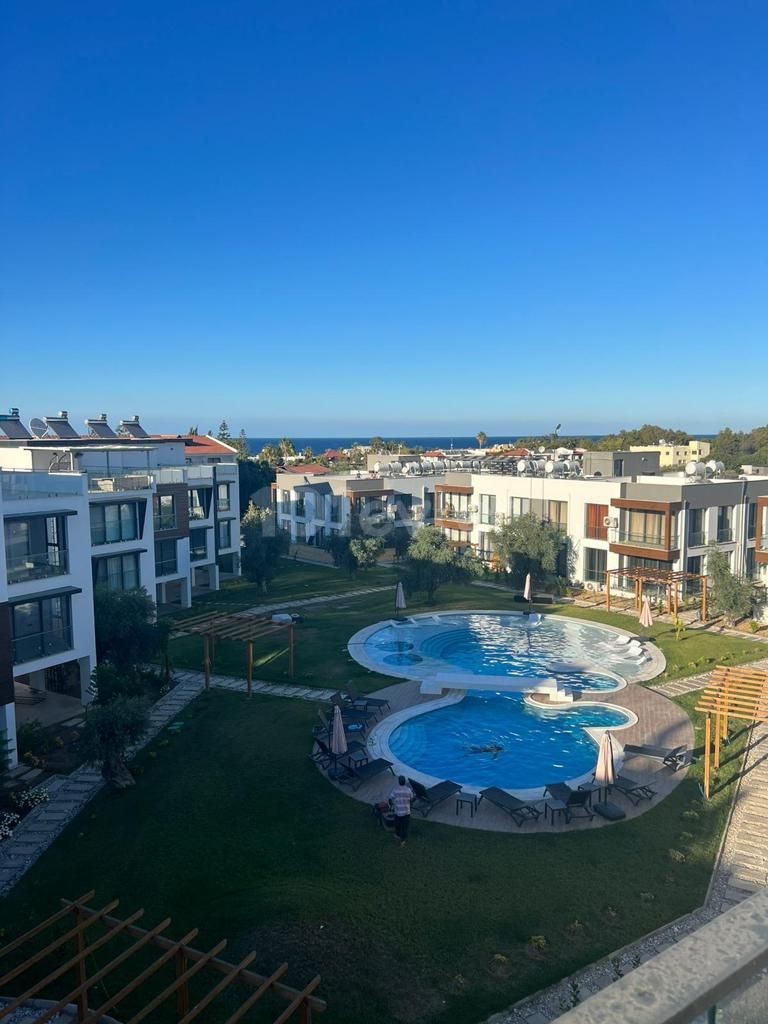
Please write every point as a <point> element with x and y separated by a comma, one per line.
<point>741,869</point>
<point>677,687</point>
<point>263,609</point>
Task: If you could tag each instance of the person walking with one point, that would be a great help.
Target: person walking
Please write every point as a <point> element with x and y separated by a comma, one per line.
<point>400,798</point>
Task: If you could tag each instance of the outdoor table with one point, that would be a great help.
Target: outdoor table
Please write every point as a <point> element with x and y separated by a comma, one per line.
<point>591,788</point>
<point>470,801</point>
<point>555,807</point>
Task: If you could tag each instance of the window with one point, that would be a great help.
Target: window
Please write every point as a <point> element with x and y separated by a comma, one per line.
<point>164,512</point>
<point>336,508</point>
<point>198,544</point>
<point>285,502</point>
<point>35,548</point>
<point>301,508</point>
<point>557,513</point>
<point>752,520</point>
<point>117,572</point>
<point>488,509</point>
<point>41,627</point>
<point>165,558</point>
<point>618,467</point>
<point>199,502</point>
<point>225,534</point>
<point>484,548</point>
<point>644,528</point>
<point>222,497</point>
<point>595,565</point>
<point>594,527</point>
<point>694,564</point>
<point>519,506</point>
<point>724,524</point>
<point>750,569</point>
<point>696,527</point>
<point>113,523</point>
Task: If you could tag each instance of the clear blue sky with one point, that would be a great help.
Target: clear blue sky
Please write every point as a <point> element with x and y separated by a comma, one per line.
<point>347,215</point>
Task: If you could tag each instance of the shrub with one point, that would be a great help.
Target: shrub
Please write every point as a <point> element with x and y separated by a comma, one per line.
<point>538,943</point>
<point>754,626</point>
<point>647,897</point>
<point>8,822</point>
<point>690,815</point>
<point>686,837</point>
<point>677,856</point>
<point>32,738</point>
<point>26,799</point>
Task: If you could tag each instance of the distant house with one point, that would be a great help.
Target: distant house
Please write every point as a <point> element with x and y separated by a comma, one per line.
<point>331,455</point>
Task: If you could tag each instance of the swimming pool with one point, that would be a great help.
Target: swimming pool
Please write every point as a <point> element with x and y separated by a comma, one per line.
<point>500,739</point>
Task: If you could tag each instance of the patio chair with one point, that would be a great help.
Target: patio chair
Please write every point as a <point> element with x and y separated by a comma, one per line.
<point>325,757</point>
<point>428,798</point>
<point>577,801</point>
<point>356,700</point>
<point>671,757</point>
<point>351,729</point>
<point>355,775</point>
<point>633,790</point>
<point>351,714</point>
<point>519,811</point>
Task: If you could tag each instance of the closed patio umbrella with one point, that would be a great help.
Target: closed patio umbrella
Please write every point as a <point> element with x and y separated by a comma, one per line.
<point>646,619</point>
<point>400,598</point>
<point>338,739</point>
<point>527,588</point>
<point>605,769</point>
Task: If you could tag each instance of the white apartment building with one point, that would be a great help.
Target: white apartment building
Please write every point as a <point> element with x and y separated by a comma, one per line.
<point>120,510</point>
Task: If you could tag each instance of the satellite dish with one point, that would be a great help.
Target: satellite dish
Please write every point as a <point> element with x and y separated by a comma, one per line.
<point>38,427</point>
<point>690,469</point>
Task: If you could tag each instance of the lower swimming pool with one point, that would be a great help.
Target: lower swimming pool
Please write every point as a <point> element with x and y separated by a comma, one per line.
<point>500,739</point>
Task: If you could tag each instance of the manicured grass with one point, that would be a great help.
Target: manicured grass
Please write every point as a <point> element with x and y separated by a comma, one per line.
<point>231,828</point>
<point>321,640</point>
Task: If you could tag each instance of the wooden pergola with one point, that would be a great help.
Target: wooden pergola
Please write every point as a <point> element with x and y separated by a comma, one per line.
<point>672,579</point>
<point>738,692</point>
<point>82,931</point>
<point>242,629</point>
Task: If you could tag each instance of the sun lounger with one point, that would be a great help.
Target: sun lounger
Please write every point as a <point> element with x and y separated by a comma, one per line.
<point>325,757</point>
<point>355,775</point>
<point>350,714</point>
<point>428,798</point>
<point>576,800</point>
<point>672,757</point>
<point>632,789</point>
<point>519,810</point>
<point>351,729</point>
<point>356,700</point>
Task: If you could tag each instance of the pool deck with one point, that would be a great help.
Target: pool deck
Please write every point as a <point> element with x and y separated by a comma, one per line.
<point>660,722</point>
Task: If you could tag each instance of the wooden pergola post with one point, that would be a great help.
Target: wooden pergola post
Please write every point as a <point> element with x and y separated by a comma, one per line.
<point>249,666</point>
<point>717,736</point>
<point>207,660</point>
<point>182,992</point>
<point>82,973</point>
<point>707,752</point>
<point>290,651</point>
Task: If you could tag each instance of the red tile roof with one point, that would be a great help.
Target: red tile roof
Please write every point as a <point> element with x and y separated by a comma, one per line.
<point>202,444</point>
<point>312,469</point>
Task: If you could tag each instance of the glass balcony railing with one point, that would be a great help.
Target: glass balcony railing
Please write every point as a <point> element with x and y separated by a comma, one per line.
<point>198,552</point>
<point>724,534</point>
<point>166,567</point>
<point>197,512</point>
<point>18,484</point>
<point>459,516</point>
<point>39,566</point>
<point>696,539</point>
<point>41,645</point>
<point>128,480</point>
<point>165,521</point>
<point>643,540</point>
<point>223,504</point>
<point>764,542</point>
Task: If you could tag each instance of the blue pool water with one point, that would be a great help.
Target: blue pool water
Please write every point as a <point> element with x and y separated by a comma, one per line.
<point>503,645</point>
<point>495,739</point>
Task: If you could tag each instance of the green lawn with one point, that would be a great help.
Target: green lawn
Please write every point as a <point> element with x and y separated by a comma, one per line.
<point>230,827</point>
<point>321,653</point>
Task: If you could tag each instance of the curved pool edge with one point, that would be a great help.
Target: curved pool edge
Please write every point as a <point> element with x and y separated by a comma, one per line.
<point>356,643</point>
<point>378,742</point>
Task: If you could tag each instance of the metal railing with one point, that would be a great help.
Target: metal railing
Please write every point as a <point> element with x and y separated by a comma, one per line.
<point>197,512</point>
<point>37,566</point>
<point>166,567</point>
<point>198,552</point>
<point>724,534</point>
<point>696,538</point>
<point>41,645</point>
<point>223,504</point>
<point>130,480</point>
<point>643,540</point>
<point>165,521</point>
<point>594,576</point>
<point>448,513</point>
<point>596,533</point>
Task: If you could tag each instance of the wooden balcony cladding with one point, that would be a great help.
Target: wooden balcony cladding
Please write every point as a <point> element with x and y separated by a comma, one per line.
<point>445,522</point>
<point>667,549</point>
<point>453,489</point>
<point>662,554</point>
<point>647,506</point>
<point>761,539</point>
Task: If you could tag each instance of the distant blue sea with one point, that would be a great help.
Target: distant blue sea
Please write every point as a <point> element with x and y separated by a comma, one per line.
<point>444,442</point>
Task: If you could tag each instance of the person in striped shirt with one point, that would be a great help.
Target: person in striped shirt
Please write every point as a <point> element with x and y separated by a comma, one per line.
<point>400,798</point>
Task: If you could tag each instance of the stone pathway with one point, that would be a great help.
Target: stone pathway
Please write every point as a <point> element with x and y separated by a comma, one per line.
<point>263,609</point>
<point>741,869</point>
<point>70,793</point>
<point>677,687</point>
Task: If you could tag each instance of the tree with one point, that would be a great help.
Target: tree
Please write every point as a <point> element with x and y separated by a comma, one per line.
<point>262,547</point>
<point>525,544</point>
<point>432,561</point>
<point>377,445</point>
<point>339,548</point>
<point>109,731</point>
<point>255,477</point>
<point>482,439</point>
<point>730,448</point>
<point>287,448</point>
<point>307,454</point>
<point>224,434</point>
<point>271,454</point>
<point>240,444</point>
<point>365,551</point>
<point>127,635</point>
<point>730,596</point>
<point>192,432</point>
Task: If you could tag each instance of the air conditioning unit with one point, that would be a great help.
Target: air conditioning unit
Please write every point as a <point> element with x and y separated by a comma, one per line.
<point>610,522</point>
<point>589,585</point>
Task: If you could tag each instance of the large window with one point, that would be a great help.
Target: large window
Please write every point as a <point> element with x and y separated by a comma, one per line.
<point>595,530</point>
<point>724,524</point>
<point>198,547</point>
<point>696,527</point>
<point>40,627</point>
<point>117,572</point>
<point>488,509</point>
<point>646,528</point>
<point>225,534</point>
<point>164,511</point>
<point>752,520</point>
<point>35,547</point>
<point>751,565</point>
<point>519,506</point>
<point>199,502</point>
<point>112,523</point>
<point>595,565</point>
<point>165,558</point>
<point>557,513</point>
<point>222,497</point>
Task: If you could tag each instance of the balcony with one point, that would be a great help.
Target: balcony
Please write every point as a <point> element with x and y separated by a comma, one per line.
<point>41,645</point>
<point>166,567</point>
<point>197,512</point>
<point>641,540</point>
<point>696,539</point>
<point>39,566</point>
<point>724,535</point>
<point>198,553</point>
<point>223,504</point>
<point>451,513</point>
<point>132,480</point>
<point>596,533</point>
<point>165,521</point>
<point>20,484</point>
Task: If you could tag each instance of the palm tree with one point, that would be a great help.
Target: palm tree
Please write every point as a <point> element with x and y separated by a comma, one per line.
<point>287,447</point>
<point>482,438</point>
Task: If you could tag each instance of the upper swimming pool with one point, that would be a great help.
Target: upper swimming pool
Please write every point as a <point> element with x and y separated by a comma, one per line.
<point>581,655</point>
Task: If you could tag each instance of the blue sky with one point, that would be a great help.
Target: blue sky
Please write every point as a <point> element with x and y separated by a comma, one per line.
<point>359,216</point>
